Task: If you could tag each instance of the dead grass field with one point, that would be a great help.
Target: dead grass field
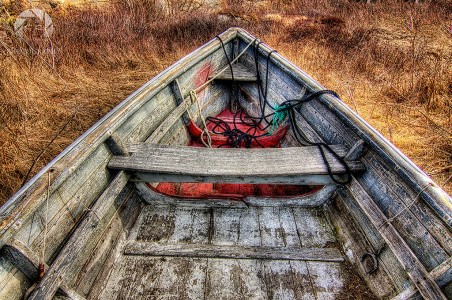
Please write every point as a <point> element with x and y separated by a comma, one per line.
<point>390,61</point>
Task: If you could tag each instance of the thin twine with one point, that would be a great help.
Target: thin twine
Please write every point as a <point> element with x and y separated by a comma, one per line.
<point>407,207</point>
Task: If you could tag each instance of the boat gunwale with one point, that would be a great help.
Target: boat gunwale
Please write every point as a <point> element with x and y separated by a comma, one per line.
<point>436,198</point>
<point>12,209</point>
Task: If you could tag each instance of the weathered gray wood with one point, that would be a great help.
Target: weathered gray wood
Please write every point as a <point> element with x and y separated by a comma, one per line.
<point>175,87</point>
<point>249,232</point>
<point>441,274</point>
<point>239,73</point>
<point>103,253</point>
<point>314,199</point>
<point>400,190</point>
<point>227,164</point>
<point>70,294</point>
<point>116,145</point>
<point>230,251</point>
<point>388,260</point>
<point>357,151</point>
<point>13,282</point>
<point>157,225</point>
<point>65,196</point>
<point>355,244</point>
<point>24,259</point>
<point>411,229</point>
<point>226,226</point>
<point>166,124</point>
<point>417,272</point>
<point>312,228</point>
<point>143,122</point>
<point>157,278</point>
<point>287,280</point>
<point>327,279</point>
<point>232,279</point>
<point>64,222</point>
<point>93,222</point>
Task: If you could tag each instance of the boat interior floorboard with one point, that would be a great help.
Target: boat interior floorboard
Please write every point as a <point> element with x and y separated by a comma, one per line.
<point>186,252</point>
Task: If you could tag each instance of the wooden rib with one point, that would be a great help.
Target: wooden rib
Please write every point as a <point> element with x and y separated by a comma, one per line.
<point>232,251</point>
<point>79,240</point>
<point>415,270</point>
<point>443,270</point>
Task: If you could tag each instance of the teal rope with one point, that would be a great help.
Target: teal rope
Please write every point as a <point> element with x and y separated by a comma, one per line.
<point>279,116</point>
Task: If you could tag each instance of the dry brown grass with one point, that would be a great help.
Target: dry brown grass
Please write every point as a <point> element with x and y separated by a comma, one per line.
<point>390,61</point>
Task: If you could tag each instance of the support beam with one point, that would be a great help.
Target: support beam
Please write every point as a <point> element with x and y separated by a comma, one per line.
<point>235,252</point>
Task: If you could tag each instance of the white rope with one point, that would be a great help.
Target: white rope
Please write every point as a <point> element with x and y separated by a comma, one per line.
<point>205,132</point>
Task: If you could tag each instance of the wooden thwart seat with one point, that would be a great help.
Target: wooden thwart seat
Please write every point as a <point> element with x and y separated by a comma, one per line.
<point>240,72</point>
<point>297,165</point>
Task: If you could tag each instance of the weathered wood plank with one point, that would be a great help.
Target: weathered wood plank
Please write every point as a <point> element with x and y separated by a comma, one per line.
<point>441,274</point>
<point>177,135</point>
<point>157,224</point>
<point>226,226</point>
<point>200,226</point>
<point>232,279</point>
<point>400,190</point>
<point>183,226</point>
<point>64,223</point>
<point>62,198</point>
<point>327,279</point>
<point>287,280</point>
<point>104,252</point>
<point>270,227</point>
<point>180,278</point>
<point>93,224</point>
<point>313,228</point>
<point>389,261</point>
<point>355,243</point>
<point>239,73</point>
<point>249,231</point>
<point>232,251</point>
<point>417,272</point>
<point>227,164</point>
<point>288,229</point>
<point>159,278</point>
<point>414,233</point>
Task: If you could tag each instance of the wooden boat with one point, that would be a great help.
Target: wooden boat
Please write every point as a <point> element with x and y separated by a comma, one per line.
<point>137,207</point>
